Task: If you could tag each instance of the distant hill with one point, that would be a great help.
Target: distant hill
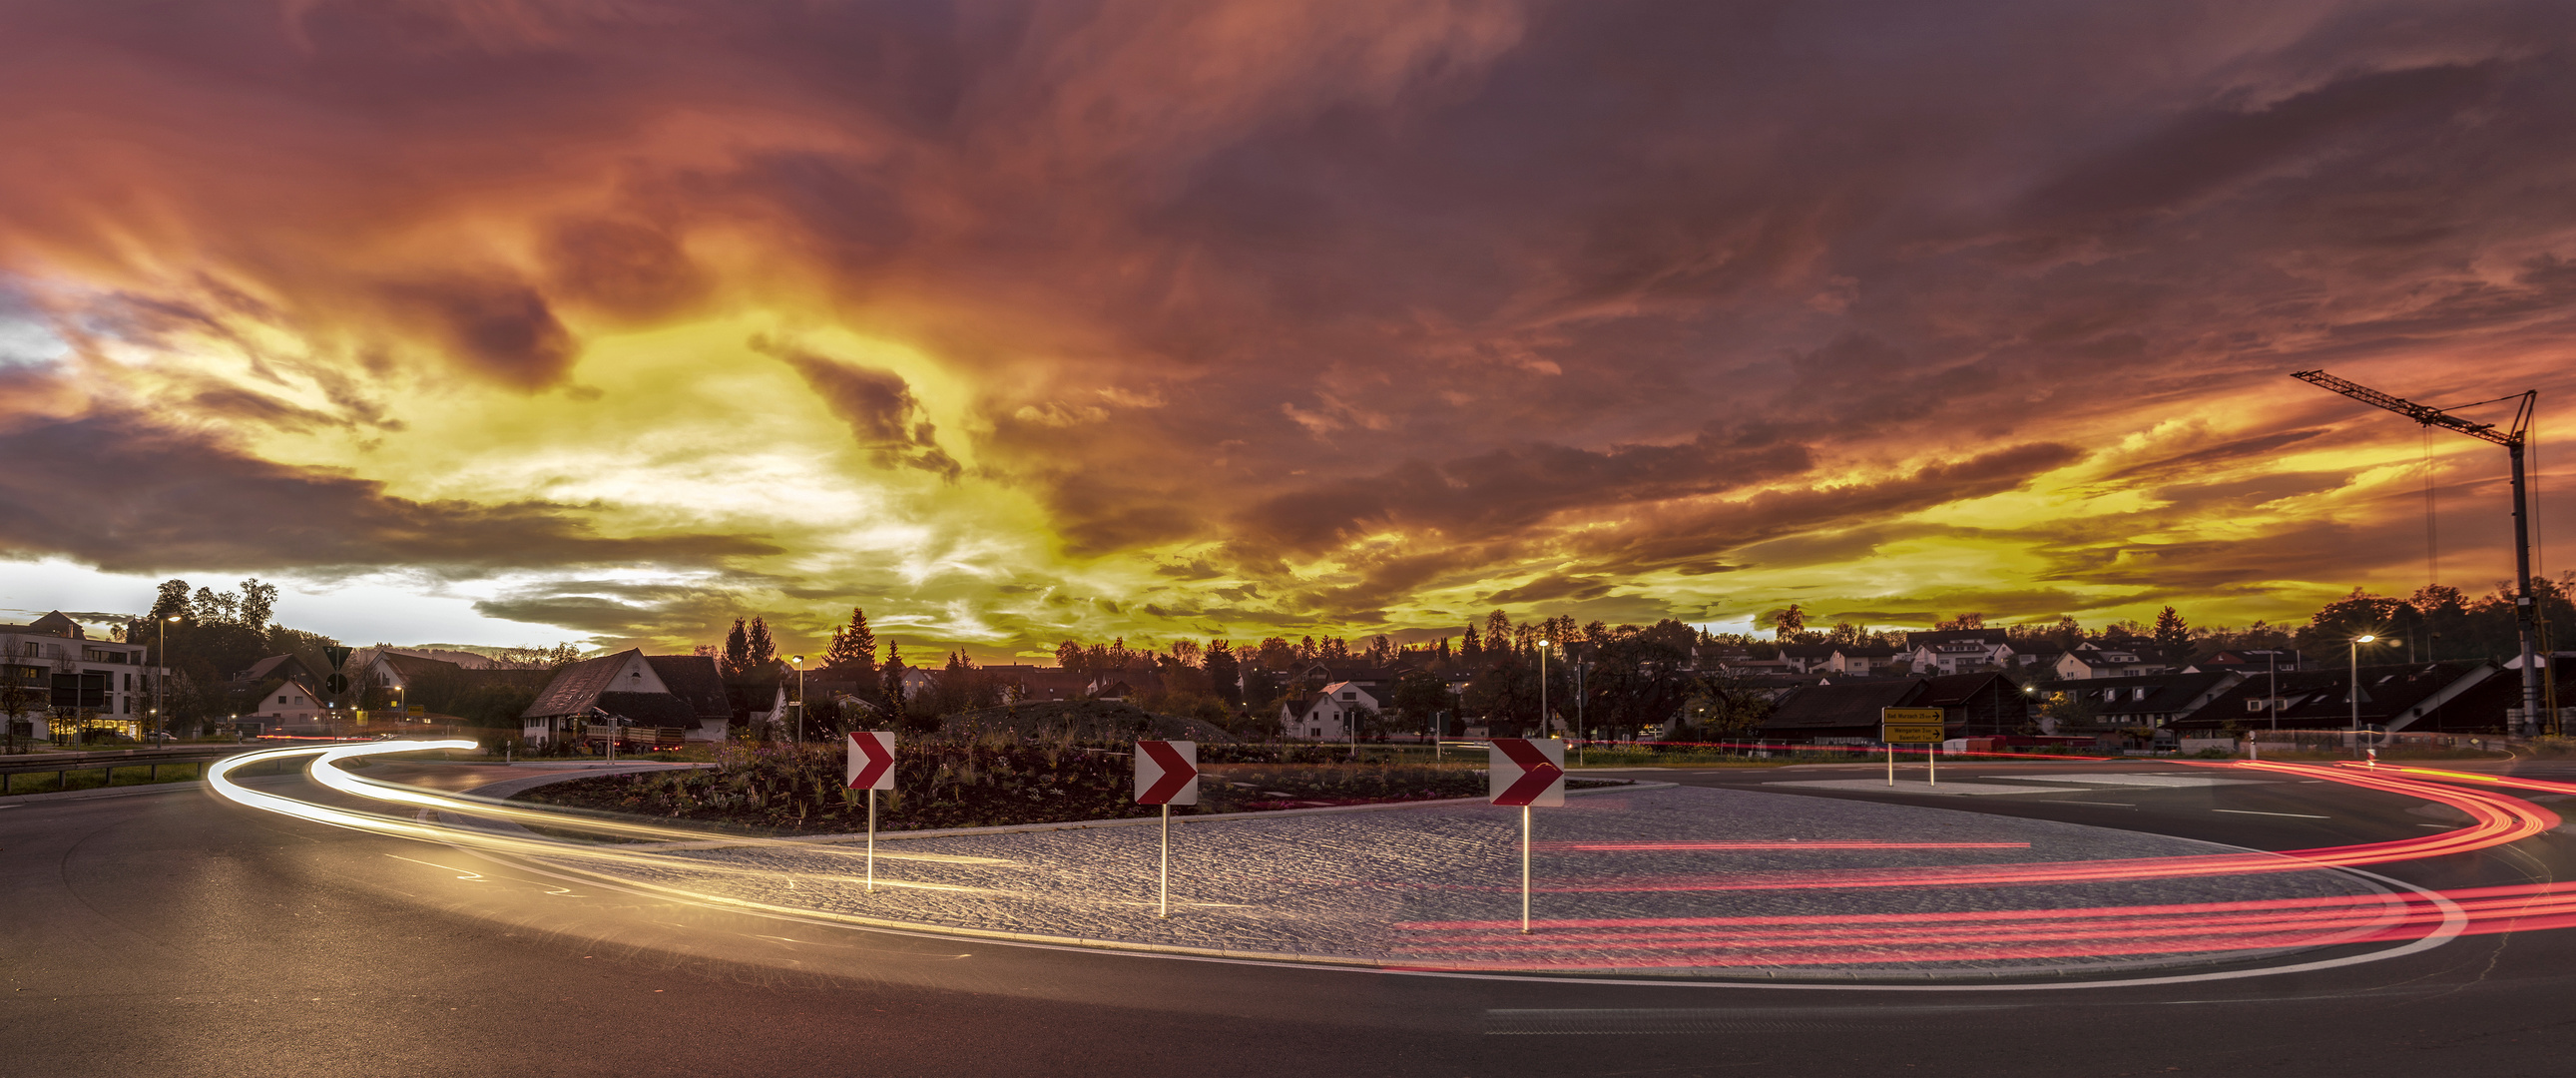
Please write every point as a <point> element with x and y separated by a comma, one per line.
<point>1084,720</point>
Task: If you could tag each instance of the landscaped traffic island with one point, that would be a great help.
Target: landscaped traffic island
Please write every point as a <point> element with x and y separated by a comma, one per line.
<point>986,782</point>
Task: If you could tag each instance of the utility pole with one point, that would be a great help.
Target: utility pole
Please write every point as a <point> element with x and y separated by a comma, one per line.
<point>2527,613</point>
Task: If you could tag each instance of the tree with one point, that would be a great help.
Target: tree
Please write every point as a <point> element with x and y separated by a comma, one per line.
<point>170,599</point>
<point>2173,637</point>
<point>1069,656</point>
<point>1969,620</point>
<point>258,603</point>
<point>1381,650</point>
<point>1727,705</point>
<point>853,654</point>
<point>1224,671</point>
<point>763,651</point>
<point>737,651</point>
<point>1421,696</point>
<point>1471,648</point>
<point>1788,622</point>
<point>898,710</point>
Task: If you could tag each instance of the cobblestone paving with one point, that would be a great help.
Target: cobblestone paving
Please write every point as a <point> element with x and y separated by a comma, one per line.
<point>1439,885</point>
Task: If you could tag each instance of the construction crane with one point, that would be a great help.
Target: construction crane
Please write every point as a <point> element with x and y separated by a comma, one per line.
<point>2527,613</point>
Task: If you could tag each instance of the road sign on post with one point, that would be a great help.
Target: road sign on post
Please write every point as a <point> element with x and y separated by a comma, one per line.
<point>871,768</point>
<point>338,655</point>
<point>1913,726</point>
<point>1524,771</point>
<point>1167,774</point>
<point>1527,772</point>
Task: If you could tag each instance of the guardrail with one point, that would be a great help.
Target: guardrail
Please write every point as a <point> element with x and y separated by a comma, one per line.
<point>62,765</point>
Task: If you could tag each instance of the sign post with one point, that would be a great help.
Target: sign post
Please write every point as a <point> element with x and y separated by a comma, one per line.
<point>1167,774</point>
<point>1525,771</point>
<point>1913,726</point>
<point>871,768</point>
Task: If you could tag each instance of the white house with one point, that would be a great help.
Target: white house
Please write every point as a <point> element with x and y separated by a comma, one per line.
<point>1330,714</point>
<point>286,702</point>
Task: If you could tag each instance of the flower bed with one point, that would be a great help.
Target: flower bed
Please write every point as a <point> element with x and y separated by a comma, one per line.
<point>783,789</point>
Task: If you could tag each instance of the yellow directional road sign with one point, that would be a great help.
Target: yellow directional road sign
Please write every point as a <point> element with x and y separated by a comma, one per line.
<point>1911,725</point>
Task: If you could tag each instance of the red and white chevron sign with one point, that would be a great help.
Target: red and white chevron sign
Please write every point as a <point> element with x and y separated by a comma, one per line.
<point>871,760</point>
<point>1523,771</point>
<point>1167,772</point>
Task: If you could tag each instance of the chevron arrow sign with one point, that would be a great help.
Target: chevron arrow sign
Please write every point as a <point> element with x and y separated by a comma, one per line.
<point>1526,771</point>
<point>1167,772</point>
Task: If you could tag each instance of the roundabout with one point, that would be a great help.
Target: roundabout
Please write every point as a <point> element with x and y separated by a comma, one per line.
<point>2394,924</point>
<point>1672,883</point>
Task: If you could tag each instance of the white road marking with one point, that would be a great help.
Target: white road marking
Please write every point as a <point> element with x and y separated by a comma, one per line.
<point>1918,786</point>
<point>2146,779</point>
<point>2251,812</point>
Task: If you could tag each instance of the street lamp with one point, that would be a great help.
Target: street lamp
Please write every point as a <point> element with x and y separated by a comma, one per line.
<point>1542,688</point>
<point>799,660</point>
<point>2355,694</point>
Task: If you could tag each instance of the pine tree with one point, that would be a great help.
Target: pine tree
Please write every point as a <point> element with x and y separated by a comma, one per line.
<point>1471,648</point>
<point>737,651</point>
<point>2172,635</point>
<point>893,673</point>
<point>764,651</point>
<point>853,654</point>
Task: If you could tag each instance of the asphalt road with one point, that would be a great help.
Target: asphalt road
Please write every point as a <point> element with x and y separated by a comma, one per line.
<point>169,933</point>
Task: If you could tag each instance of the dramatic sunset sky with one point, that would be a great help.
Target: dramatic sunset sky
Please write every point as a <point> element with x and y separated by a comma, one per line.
<point>516,321</point>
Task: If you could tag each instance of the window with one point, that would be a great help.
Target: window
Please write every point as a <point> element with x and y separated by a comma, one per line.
<point>281,698</point>
<point>1350,696</point>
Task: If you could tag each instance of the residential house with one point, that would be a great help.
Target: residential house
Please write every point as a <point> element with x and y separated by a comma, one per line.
<point>58,670</point>
<point>2251,660</point>
<point>2424,697</point>
<point>284,702</point>
<point>1955,651</point>
<point>1977,704</point>
<point>2150,700</point>
<point>627,687</point>
<point>2090,660</point>
<point>1848,660</point>
<point>1330,714</point>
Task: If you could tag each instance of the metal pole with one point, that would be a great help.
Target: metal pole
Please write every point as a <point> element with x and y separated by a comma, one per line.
<point>1542,688</point>
<point>1525,868</point>
<point>872,840</point>
<point>2526,611</point>
<point>1891,762</point>
<point>2355,695</point>
<point>1166,909</point>
<point>1932,764</point>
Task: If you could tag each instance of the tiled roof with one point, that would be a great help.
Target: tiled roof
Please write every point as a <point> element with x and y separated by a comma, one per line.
<point>2318,698</point>
<point>412,666</point>
<point>575,688</point>
<point>1849,703</point>
<point>695,680</point>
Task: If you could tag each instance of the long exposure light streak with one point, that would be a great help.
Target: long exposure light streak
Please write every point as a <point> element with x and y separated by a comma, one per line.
<point>1966,936</point>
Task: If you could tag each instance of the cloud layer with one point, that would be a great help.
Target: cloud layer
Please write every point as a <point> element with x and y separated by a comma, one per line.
<point>1017,320</point>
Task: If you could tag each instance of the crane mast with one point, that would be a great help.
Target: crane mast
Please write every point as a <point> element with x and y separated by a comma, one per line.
<point>2528,618</point>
